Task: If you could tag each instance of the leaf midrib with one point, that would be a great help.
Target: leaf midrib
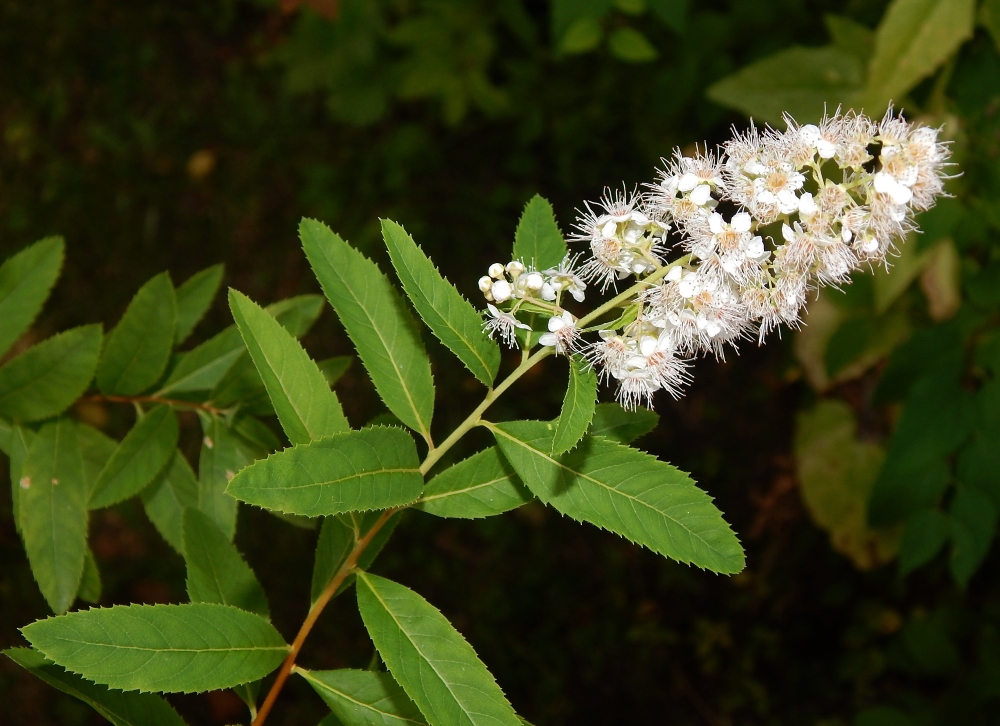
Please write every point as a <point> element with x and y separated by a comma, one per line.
<point>325,686</point>
<point>326,482</point>
<point>455,492</point>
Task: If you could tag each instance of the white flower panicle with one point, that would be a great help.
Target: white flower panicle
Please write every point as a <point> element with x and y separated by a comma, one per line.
<point>759,226</point>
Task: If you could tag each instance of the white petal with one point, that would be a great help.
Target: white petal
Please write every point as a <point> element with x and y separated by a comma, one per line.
<point>787,233</point>
<point>826,149</point>
<point>556,323</point>
<point>548,339</point>
<point>610,229</point>
<point>755,248</point>
<point>647,346</point>
<point>548,292</point>
<point>688,288</point>
<point>701,194</point>
<point>901,194</point>
<point>807,205</point>
<point>533,281</point>
<point>766,197</point>
<point>687,182</point>
<point>884,183</point>
<point>810,134</point>
<point>675,273</point>
<point>846,234</point>
<point>741,222</point>
<point>715,223</point>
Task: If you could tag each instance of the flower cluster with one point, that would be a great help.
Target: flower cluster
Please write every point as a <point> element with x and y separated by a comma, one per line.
<point>758,227</point>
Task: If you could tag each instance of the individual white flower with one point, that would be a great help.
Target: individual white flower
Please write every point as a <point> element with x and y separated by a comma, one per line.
<point>503,323</point>
<point>563,278</point>
<point>897,189</point>
<point>501,291</point>
<point>562,333</point>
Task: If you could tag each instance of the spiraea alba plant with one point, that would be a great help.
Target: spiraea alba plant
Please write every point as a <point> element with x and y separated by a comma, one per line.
<point>724,247</point>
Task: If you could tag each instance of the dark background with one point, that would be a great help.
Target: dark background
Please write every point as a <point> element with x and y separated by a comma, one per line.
<point>174,135</point>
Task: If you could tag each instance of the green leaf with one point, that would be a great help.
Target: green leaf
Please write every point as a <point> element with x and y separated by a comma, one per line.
<point>914,38</point>
<point>137,350</point>
<point>216,572</point>
<point>431,660</point>
<point>480,486</point>
<point>165,499</point>
<point>449,315</point>
<point>297,314</point>
<point>625,491</point>
<point>924,535</point>
<point>671,12</point>
<point>803,82</point>
<point>375,468</point>
<point>578,406</point>
<point>90,583</point>
<point>363,698</point>
<point>25,282</point>
<point>96,448</point>
<point>973,527</point>
<point>337,538</point>
<point>631,46</point>
<point>168,648</point>
<point>222,455</point>
<point>306,407</point>
<point>142,454</point>
<point>851,36</point>
<point>538,241</point>
<point>121,709</point>
<point>44,380</point>
<point>194,298</point>
<point>583,35</point>
<point>53,512</point>
<point>377,322</point>
<point>618,424</point>
<point>334,368</point>
<point>16,443</point>
<point>201,369</point>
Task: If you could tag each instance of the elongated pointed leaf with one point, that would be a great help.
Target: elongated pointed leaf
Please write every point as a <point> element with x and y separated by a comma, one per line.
<point>136,352</point>
<point>96,449</point>
<point>166,497</point>
<point>578,406</point>
<point>194,298</point>
<point>306,407</point>
<point>216,572</point>
<point>334,368</point>
<point>480,486</point>
<point>201,369</point>
<point>377,322</point>
<point>44,380</point>
<point>25,282</point>
<point>297,314</point>
<point>121,709</point>
<point>431,660</point>
<point>336,541</point>
<point>222,455</point>
<point>614,422</point>
<point>925,533</point>
<point>363,698</point>
<point>53,512</point>
<point>142,454</point>
<point>168,648</point>
<point>16,440</point>
<point>90,583</point>
<point>375,468</point>
<point>538,241</point>
<point>449,315</point>
<point>623,490</point>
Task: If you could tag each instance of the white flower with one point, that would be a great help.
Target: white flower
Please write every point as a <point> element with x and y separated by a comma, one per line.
<point>501,291</point>
<point>897,191</point>
<point>562,333</point>
<point>564,279</point>
<point>504,324</point>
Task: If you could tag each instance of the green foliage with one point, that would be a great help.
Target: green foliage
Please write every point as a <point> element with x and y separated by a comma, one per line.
<point>333,368</point>
<point>302,398</point>
<point>167,496</point>
<point>480,486</point>
<point>137,350</point>
<point>538,240</point>
<point>202,368</point>
<point>925,533</point>
<point>223,453</point>
<point>121,709</point>
<point>90,582</point>
<point>337,539</point>
<point>96,448</point>
<point>363,698</point>
<point>142,454</point>
<point>618,424</point>
<point>194,297</point>
<point>973,519</point>
<point>167,648</point>
<point>375,468</point>
<point>216,572</point>
<point>449,315</point>
<point>45,379</point>
<point>25,282</point>
<point>377,322</point>
<point>431,660</point>
<point>578,406</point>
<point>631,46</point>
<point>52,509</point>
<point>624,491</point>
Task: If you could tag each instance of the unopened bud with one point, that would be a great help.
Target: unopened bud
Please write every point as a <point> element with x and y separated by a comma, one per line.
<point>501,291</point>
<point>485,283</point>
<point>515,268</point>
<point>496,270</point>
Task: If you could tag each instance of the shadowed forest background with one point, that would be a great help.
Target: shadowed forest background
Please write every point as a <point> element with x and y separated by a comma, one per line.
<point>175,135</point>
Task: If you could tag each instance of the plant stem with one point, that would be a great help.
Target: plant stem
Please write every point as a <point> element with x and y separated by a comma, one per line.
<point>100,398</point>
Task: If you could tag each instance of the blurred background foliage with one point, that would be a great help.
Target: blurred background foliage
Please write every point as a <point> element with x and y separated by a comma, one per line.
<point>858,458</point>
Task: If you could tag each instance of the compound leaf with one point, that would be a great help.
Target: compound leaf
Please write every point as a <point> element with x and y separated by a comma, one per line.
<point>449,315</point>
<point>480,486</point>
<point>374,468</point>
<point>141,455</point>
<point>623,490</point>
<point>121,709</point>
<point>431,660</point>
<point>306,407</point>
<point>137,350</point>
<point>25,282</point>
<point>44,380</point>
<point>167,648</point>
<point>377,322</point>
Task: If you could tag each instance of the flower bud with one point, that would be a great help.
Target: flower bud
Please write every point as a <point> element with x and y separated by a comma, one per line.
<point>496,271</point>
<point>501,291</point>
<point>515,268</point>
<point>534,281</point>
<point>485,284</point>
